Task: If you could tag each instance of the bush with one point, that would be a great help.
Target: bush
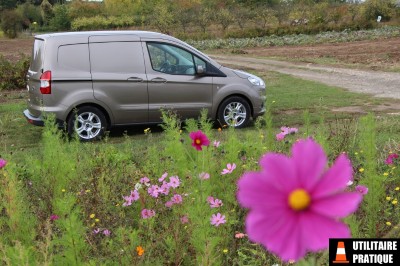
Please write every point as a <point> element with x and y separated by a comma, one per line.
<point>61,20</point>
<point>11,23</point>
<point>12,75</point>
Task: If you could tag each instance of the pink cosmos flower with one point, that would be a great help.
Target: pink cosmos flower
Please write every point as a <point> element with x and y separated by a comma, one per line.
<point>176,199</point>
<point>161,179</point>
<point>2,163</point>
<point>164,189</point>
<point>216,143</point>
<point>295,202</point>
<point>184,219</point>
<point>389,159</point>
<point>134,196</point>
<point>174,181</point>
<point>199,139</point>
<point>240,235</point>
<point>106,232</point>
<point>147,213</point>
<point>217,219</point>
<point>362,189</point>
<point>144,180</point>
<point>214,202</point>
<point>280,136</point>
<point>153,191</point>
<point>204,176</point>
<point>54,217</point>
<point>229,169</point>
<point>169,204</point>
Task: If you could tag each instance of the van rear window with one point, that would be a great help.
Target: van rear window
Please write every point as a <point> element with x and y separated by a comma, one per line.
<point>37,55</point>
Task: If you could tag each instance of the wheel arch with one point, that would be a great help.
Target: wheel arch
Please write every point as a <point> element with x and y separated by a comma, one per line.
<point>101,108</point>
<point>234,95</point>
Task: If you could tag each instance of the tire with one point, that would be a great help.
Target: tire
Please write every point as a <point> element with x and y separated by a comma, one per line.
<point>234,111</point>
<point>88,122</point>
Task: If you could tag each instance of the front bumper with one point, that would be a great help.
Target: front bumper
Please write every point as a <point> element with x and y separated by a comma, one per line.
<point>37,121</point>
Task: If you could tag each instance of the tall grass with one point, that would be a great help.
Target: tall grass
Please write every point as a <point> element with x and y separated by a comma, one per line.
<point>65,205</point>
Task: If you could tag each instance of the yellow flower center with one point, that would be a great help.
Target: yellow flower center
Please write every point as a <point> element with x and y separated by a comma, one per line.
<point>299,199</point>
<point>198,142</point>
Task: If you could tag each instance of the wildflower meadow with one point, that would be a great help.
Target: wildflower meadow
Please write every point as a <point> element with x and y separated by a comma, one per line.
<point>198,194</point>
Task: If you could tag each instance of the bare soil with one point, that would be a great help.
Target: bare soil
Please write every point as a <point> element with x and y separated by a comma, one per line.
<point>13,49</point>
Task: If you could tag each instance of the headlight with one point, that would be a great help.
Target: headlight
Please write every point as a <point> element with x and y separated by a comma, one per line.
<point>256,81</point>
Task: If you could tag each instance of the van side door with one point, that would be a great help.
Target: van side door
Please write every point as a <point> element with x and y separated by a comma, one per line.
<point>119,77</point>
<point>173,82</point>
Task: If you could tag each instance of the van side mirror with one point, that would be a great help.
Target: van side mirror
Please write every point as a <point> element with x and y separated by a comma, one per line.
<point>200,70</point>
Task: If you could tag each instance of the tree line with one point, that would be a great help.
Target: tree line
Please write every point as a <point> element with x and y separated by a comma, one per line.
<point>197,18</point>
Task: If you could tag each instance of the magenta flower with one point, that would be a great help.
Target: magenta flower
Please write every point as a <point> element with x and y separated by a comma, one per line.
<point>2,163</point>
<point>176,199</point>
<point>362,189</point>
<point>164,189</point>
<point>134,196</point>
<point>229,169</point>
<point>144,180</point>
<point>280,136</point>
<point>184,219</point>
<point>295,202</point>
<point>54,217</point>
<point>216,143</point>
<point>169,204</point>
<point>389,159</point>
<point>204,176</point>
<point>147,213</point>
<point>161,179</point>
<point>214,202</point>
<point>217,219</point>
<point>96,231</point>
<point>106,232</point>
<point>174,181</point>
<point>153,191</point>
<point>199,139</point>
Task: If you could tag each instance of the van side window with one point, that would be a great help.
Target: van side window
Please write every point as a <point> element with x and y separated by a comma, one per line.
<point>74,57</point>
<point>173,60</point>
<point>116,57</point>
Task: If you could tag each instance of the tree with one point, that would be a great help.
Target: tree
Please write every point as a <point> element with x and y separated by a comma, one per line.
<point>11,23</point>
<point>371,9</point>
<point>47,11</point>
<point>224,17</point>
<point>162,19</point>
<point>60,20</point>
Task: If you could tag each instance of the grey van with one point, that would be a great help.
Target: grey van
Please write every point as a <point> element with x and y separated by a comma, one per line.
<point>92,81</point>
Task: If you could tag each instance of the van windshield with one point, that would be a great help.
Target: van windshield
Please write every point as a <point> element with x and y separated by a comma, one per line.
<point>37,55</point>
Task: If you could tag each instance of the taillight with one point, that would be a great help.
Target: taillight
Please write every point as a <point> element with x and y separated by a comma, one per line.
<point>45,82</point>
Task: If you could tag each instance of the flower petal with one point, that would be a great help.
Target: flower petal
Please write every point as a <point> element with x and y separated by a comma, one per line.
<point>258,192</point>
<point>282,236</point>
<point>337,206</point>
<point>335,179</point>
<point>317,229</point>
<point>280,171</point>
<point>310,162</point>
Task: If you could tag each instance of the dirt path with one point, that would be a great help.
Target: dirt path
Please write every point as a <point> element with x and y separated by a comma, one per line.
<point>379,84</point>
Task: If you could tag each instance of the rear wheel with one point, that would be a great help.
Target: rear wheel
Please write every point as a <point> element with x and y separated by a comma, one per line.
<point>234,111</point>
<point>88,122</point>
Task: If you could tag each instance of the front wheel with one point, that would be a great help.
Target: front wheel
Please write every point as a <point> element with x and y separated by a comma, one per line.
<point>235,112</point>
<point>88,122</point>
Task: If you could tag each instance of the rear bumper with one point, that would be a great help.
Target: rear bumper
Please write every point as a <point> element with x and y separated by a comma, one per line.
<point>37,121</point>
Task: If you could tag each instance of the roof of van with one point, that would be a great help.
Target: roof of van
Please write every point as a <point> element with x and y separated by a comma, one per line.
<point>142,34</point>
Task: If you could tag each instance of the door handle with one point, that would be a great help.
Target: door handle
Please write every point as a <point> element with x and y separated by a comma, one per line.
<point>135,79</point>
<point>158,80</point>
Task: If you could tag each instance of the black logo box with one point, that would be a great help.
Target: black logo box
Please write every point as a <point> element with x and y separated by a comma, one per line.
<point>369,243</point>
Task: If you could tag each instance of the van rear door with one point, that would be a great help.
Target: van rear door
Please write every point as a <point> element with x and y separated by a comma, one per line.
<point>33,77</point>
